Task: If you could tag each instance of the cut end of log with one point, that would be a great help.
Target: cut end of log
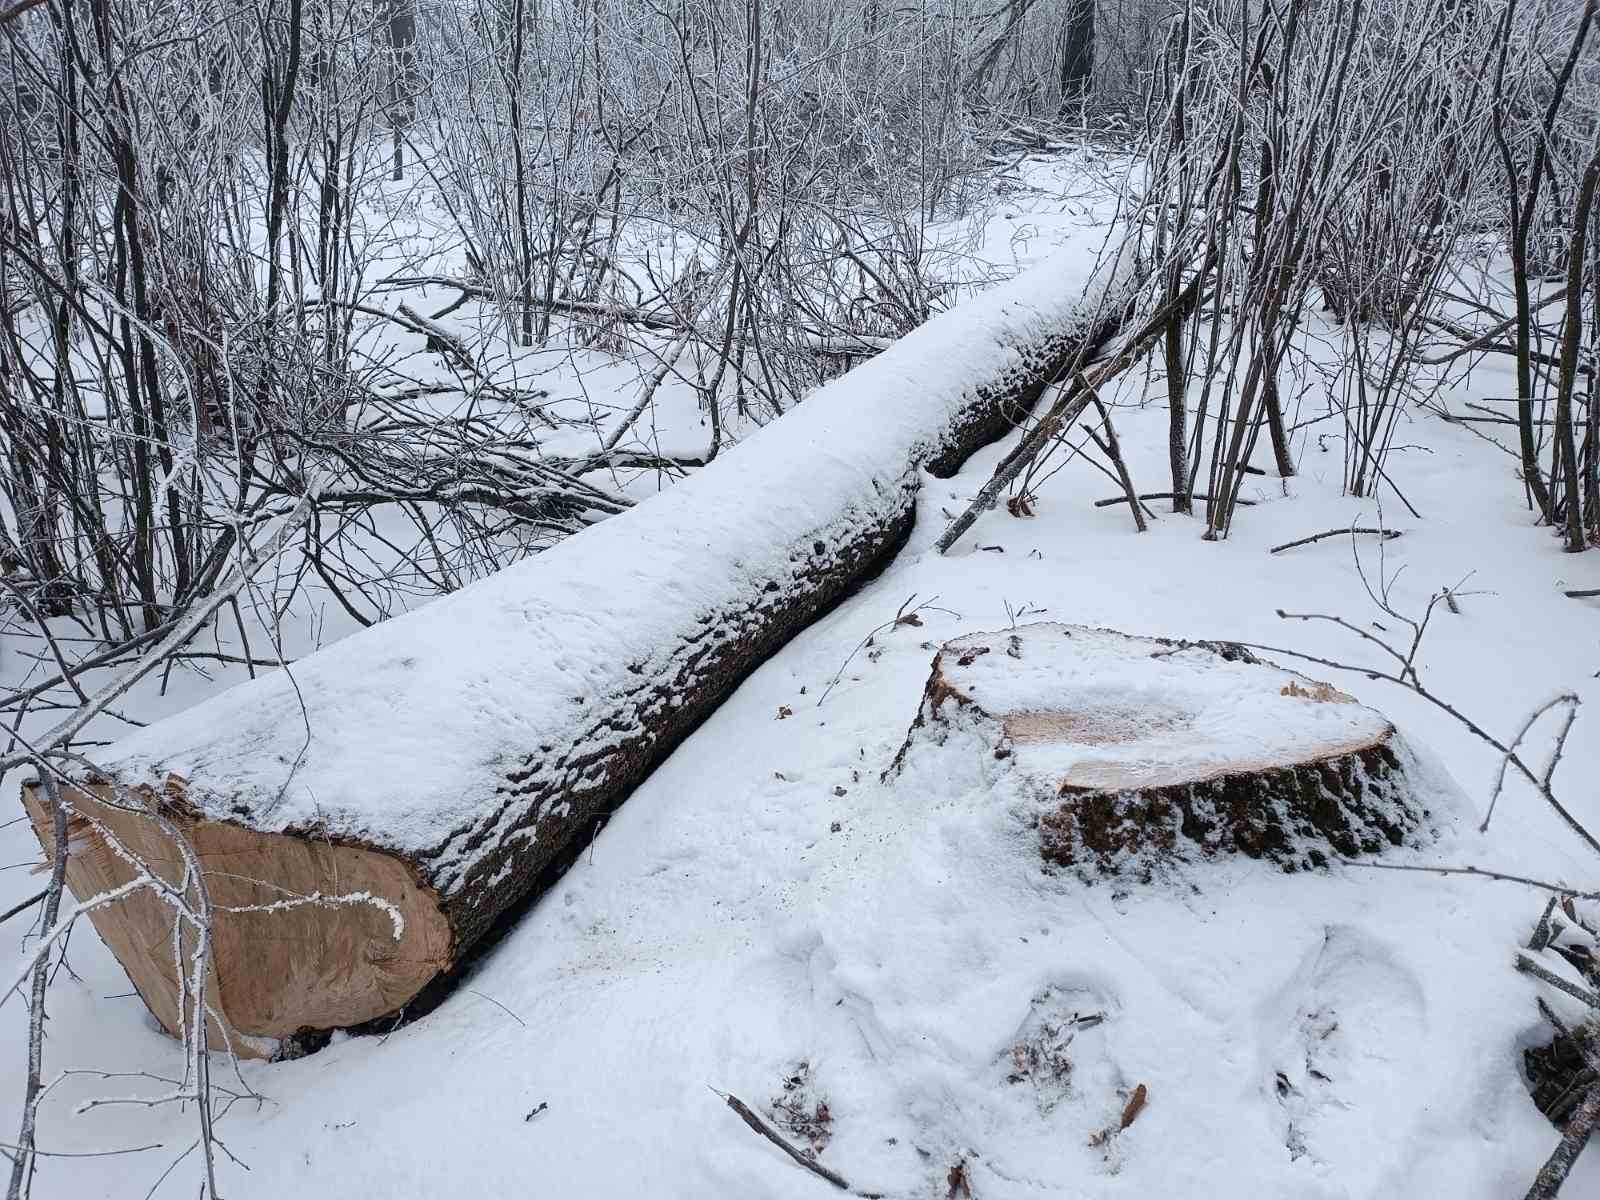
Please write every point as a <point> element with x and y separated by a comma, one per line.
<point>283,962</point>
<point>1144,750</point>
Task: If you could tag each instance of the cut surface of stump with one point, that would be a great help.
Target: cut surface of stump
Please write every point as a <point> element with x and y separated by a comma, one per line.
<point>1145,749</point>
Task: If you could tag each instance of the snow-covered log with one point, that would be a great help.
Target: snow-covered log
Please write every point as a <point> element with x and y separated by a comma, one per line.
<point>452,760</point>
<point>1139,751</point>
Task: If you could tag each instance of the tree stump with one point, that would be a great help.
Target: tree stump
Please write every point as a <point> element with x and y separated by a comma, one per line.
<point>1146,750</point>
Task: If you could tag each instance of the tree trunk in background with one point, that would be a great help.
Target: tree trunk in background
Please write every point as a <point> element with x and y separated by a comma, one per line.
<point>400,20</point>
<point>1077,55</point>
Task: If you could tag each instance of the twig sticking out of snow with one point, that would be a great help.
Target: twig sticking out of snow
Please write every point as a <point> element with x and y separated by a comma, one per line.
<point>22,1158</point>
<point>901,617</point>
<point>1579,1128</point>
<point>1543,931</point>
<point>1110,447</point>
<point>1528,967</point>
<point>1568,699</point>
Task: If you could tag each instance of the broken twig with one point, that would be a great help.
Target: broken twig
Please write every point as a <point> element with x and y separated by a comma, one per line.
<point>1581,1124</point>
<point>1529,967</point>
<point>772,1135</point>
<point>1387,535</point>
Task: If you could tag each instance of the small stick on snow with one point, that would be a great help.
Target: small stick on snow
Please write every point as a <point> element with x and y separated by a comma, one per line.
<point>500,1006</point>
<point>773,1136</point>
<point>1549,1014</point>
<point>1387,535</point>
<point>1110,500</point>
<point>1541,931</point>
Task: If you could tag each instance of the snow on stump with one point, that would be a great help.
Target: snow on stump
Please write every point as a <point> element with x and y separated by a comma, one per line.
<point>451,762</point>
<point>1146,750</point>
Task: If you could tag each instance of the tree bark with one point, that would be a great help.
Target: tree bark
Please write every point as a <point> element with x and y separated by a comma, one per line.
<point>1077,54</point>
<point>400,19</point>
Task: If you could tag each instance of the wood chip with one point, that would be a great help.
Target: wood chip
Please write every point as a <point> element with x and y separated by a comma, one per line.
<point>1135,1106</point>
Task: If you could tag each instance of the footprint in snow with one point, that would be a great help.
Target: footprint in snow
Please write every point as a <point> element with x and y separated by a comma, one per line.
<point>1339,1057</point>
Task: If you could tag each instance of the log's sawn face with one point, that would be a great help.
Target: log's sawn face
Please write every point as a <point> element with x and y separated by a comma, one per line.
<point>274,973</point>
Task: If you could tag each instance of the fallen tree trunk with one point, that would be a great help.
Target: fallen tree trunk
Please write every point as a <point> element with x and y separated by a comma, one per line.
<point>450,761</point>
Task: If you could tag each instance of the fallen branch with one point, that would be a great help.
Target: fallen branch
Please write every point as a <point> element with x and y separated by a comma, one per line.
<point>440,338</point>
<point>841,343</point>
<point>1387,535</point>
<point>1110,500</point>
<point>1069,405</point>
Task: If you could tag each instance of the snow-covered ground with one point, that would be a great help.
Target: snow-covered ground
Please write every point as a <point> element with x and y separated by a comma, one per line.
<point>766,917</point>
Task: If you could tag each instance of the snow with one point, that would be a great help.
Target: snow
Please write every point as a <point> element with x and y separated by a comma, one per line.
<point>1350,1034</point>
<point>401,736</point>
<point>718,933</point>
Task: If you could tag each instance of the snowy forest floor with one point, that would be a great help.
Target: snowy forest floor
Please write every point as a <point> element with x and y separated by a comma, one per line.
<point>766,917</point>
